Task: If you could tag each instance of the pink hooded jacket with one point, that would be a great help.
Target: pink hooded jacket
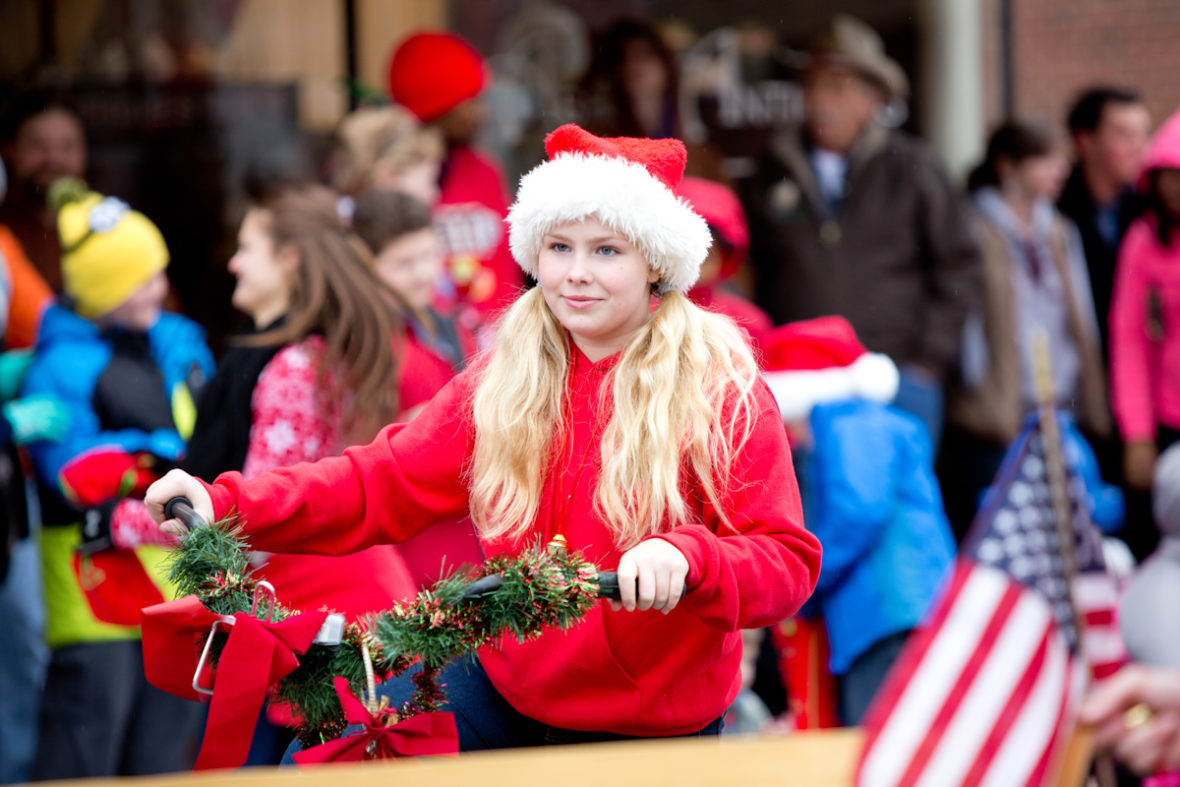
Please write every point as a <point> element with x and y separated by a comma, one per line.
<point>1145,313</point>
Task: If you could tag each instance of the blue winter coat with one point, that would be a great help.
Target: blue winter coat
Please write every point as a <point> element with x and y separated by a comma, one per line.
<point>873,502</point>
<point>75,362</point>
<point>127,394</point>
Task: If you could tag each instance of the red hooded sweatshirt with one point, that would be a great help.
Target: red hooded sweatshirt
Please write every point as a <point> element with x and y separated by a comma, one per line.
<point>637,673</point>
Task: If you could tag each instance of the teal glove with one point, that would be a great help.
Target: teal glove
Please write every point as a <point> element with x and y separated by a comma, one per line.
<point>13,366</point>
<point>37,418</point>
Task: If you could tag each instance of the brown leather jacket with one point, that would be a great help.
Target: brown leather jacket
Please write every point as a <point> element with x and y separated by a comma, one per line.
<point>896,258</point>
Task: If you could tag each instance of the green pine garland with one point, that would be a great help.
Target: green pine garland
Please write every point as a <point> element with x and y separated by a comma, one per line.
<point>541,588</point>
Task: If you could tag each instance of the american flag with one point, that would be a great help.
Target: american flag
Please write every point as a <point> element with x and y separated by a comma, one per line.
<point>985,692</point>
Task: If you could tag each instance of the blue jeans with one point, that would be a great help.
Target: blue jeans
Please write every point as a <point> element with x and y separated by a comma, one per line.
<point>485,720</point>
<point>24,659</point>
<point>922,396</point>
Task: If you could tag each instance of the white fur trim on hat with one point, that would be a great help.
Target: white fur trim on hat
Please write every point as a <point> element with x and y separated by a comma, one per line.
<point>624,196</point>
<point>872,376</point>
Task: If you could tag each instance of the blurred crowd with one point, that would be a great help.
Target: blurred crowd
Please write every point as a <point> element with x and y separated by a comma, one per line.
<point>908,329</point>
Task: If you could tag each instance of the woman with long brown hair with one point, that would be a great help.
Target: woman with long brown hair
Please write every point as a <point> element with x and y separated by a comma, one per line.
<point>315,375</point>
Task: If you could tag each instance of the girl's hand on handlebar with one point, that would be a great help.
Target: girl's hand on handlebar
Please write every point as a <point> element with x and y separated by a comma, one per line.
<point>177,483</point>
<point>651,576</point>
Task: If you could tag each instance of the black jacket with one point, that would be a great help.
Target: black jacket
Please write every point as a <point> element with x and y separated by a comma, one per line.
<point>1078,205</point>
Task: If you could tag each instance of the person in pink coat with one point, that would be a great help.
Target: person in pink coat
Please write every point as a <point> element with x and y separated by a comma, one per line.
<point>1145,315</point>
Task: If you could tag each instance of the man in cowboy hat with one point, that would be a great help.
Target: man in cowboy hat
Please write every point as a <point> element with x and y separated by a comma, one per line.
<point>851,217</point>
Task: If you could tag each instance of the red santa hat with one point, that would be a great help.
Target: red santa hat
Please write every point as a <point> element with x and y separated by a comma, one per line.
<point>626,183</point>
<point>721,210</point>
<point>432,73</point>
<point>816,361</point>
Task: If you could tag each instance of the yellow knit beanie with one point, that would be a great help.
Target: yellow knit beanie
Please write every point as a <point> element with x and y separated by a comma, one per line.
<point>108,250</point>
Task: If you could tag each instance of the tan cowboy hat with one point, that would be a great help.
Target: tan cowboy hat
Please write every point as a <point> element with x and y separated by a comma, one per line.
<point>850,43</point>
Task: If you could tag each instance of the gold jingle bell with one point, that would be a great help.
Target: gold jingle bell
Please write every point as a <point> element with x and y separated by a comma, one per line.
<point>558,546</point>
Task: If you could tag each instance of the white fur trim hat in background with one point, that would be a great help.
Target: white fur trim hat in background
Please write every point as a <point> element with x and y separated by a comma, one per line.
<point>627,183</point>
<point>817,361</point>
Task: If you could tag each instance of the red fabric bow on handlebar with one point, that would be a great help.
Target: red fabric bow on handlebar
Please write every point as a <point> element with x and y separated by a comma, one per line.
<point>257,655</point>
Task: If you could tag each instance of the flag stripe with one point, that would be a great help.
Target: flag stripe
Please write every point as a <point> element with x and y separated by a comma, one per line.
<point>986,694</point>
<point>912,654</point>
<point>1027,744</point>
<point>980,653</point>
<point>1007,717</point>
<point>924,693</point>
<point>1094,591</point>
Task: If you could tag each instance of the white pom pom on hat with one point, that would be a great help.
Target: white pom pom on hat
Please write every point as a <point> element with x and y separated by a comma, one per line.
<point>626,183</point>
<point>817,361</point>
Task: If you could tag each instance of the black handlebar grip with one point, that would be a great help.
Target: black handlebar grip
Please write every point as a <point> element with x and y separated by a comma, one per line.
<point>482,587</point>
<point>608,586</point>
<point>182,508</point>
<point>608,581</point>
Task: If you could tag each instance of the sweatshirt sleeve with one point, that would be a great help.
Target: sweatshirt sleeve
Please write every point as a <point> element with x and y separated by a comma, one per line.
<point>760,567</point>
<point>409,477</point>
<point>1130,348</point>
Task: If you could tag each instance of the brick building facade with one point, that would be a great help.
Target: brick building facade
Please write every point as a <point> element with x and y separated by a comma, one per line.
<point>1062,46</point>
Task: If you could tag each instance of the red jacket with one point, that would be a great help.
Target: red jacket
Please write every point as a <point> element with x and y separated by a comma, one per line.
<point>447,546</point>
<point>640,673</point>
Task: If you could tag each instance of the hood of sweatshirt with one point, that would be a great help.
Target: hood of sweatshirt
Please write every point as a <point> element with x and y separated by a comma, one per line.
<point>1163,152</point>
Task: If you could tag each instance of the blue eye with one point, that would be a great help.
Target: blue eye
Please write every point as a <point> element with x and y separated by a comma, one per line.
<point>560,247</point>
<point>608,251</point>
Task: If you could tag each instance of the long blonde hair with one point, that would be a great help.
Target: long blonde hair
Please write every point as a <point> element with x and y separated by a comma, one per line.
<point>681,400</point>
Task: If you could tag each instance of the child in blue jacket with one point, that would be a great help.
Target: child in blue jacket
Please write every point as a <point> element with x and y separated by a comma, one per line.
<point>127,373</point>
<point>866,471</point>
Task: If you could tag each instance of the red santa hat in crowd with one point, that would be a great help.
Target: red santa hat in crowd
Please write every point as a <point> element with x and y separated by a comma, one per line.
<point>721,210</point>
<point>431,73</point>
<point>626,183</point>
<point>816,361</point>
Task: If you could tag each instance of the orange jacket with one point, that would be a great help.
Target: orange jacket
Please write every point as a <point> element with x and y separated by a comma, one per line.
<point>29,296</point>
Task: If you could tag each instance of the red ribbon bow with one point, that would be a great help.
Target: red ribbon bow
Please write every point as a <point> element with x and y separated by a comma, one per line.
<point>257,655</point>
<point>422,735</point>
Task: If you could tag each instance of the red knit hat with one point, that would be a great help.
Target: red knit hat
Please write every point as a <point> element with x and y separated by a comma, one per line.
<point>815,361</point>
<point>720,208</point>
<point>432,73</point>
<point>626,183</point>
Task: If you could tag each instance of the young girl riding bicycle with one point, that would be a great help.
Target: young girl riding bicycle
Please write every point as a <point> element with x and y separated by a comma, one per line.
<point>642,436</point>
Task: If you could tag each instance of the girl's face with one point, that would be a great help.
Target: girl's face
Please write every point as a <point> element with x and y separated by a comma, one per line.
<point>1167,187</point>
<point>411,265</point>
<point>419,180</point>
<point>265,277</point>
<point>1041,177</point>
<point>642,71</point>
<point>597,284</point>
